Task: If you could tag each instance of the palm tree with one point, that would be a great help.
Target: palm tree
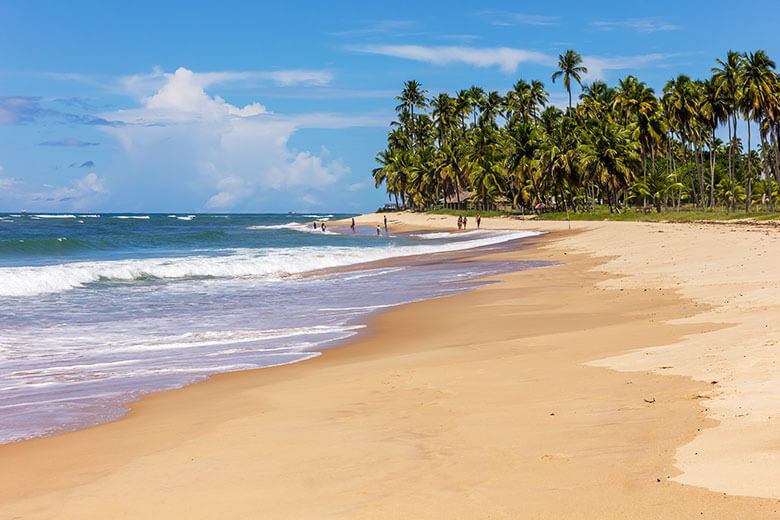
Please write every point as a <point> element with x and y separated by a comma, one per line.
<point>477,96</point>
<point>492,106</point>
<point>714,111</point>
<point>681,103</point>
<point>569,65</point>
<point>487,173</point>
<point>412,96</point>
<point>728,78</point>
<point>609,156</point>
<point>445,117</point>
<point>758,87</point>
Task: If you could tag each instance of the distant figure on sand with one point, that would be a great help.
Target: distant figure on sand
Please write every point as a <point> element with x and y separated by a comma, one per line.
<point>385,222</point>
<point>323,227</point>
<point>464,221</point>
<point>353,224</point>
<point>460,222</point>
<point>479,221</point>
<point>314,224</point>
<point>378,230</point>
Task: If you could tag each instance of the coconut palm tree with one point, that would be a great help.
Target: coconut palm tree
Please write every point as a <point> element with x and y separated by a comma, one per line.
<point>714,112</point>
<point>445,117</point>
<point>728,78</point>
<point>758,87</point>
<point>569,65</point>
<point>492,106</point>
<point>681,102</point>
<point>609,156</point>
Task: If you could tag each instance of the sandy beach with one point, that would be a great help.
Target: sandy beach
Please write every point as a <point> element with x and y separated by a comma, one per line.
<point>637,379</point>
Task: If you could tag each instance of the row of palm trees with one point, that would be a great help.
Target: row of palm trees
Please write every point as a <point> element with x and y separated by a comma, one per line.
<point>619,146</point>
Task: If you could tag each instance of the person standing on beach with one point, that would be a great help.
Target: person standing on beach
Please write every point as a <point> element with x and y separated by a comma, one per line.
<point>464,221</point>
<point>323,227</point>
<point>460,222</point>
<point>378,230</point>
<point>479,221</point>
<point>353,224</point>
<point>314,224</point>
<point>385,223</point>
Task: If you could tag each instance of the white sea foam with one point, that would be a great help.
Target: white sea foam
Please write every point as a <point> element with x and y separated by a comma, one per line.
<point>55,216</point>
<point>226,337</point>
<point>135,217</point>
<point>258,263</point>
<point>182,217</point>
<point>448,234</point>
<point>89,216</point>
<point>289,225</point>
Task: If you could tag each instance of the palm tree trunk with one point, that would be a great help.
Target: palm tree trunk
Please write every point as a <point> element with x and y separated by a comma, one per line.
<point>777,152</point>
<point>686,169</point>
<point>767,170</point>
<point>712,170</point>
<point>644,174</point>
<point>730,206</point>
<point>700,177</point>
<point>749,177</point>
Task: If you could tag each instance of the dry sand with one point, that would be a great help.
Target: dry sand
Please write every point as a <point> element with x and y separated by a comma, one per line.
<point>499,403</point>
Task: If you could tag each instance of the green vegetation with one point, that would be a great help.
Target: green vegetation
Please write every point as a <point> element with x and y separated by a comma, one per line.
<point>622,148</point>
<point>682,216</point>
<point>472,212</point>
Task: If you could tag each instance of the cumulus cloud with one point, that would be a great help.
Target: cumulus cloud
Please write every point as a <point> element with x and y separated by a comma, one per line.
<point>181,137</point>
<point>505,58</point>
<point>81,193</point>
<point>70,142</point>
<point>143,85</point>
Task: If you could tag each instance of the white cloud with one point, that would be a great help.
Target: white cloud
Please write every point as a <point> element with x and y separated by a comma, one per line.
<point>310,199</point>
<point>90,184</point>
<point>645,25</point>
<point>182,138</point>
<point>380,27</point>
<point>505,58</point>
<point>598,65</point>
<point>81,193</point>
<point>143,85</point>
<point>301,77</point>
<point>508,59</point>
<point>507,19</point>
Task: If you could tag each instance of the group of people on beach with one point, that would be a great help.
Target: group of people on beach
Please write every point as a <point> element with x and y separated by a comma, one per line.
<point>463,221</point>
<point>352,226</point>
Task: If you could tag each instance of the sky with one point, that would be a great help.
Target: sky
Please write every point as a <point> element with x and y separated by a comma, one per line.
<point>264,106</point>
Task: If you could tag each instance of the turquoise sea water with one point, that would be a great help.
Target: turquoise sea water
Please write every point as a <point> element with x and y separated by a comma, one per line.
<point>96,310</point>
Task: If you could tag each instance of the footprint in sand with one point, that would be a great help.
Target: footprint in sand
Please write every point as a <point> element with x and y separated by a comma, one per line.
<point>556,456</point>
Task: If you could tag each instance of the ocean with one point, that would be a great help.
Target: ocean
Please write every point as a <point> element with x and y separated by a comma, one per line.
<point>98,309</point>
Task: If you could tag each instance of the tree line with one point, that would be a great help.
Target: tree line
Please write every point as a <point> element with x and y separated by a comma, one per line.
<point>619,147</point>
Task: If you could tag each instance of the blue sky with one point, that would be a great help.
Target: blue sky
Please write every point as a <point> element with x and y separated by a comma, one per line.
<point>273,107</point>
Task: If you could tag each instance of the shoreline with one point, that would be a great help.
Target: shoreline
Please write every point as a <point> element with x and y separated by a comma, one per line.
<point>413,409</point>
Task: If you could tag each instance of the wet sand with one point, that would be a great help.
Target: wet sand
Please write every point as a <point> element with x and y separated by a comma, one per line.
<point>503,402</point>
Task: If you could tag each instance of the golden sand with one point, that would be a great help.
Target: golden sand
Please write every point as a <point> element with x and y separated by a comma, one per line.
<point>503,402</point>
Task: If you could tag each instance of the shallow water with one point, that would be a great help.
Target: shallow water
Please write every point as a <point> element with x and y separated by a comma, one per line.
<point>97,310</point>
